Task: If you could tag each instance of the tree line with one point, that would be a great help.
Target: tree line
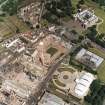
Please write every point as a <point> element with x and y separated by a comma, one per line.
<point>100,2</point>
<point>97,93</point>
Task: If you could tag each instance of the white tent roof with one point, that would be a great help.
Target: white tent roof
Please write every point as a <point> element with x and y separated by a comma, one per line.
<point>83,84</point>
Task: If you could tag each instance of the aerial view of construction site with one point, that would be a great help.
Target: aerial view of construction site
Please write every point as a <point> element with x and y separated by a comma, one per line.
<point>52,52</point>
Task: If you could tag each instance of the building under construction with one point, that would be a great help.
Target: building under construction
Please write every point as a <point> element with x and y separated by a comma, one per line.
<point>31,13</point>
<point>28,74</point>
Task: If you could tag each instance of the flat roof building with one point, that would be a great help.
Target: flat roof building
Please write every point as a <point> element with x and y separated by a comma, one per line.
<point>86,18</point>
<point>14,44</point>
<point>50,99</point>
<point>1,103</point>
<point>89,59</point>
<point>10,85</point>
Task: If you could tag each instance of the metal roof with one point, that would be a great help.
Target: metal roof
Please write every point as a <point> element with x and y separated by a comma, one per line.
<point>83,84</point>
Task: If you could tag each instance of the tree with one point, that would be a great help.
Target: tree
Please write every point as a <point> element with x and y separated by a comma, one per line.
<point>91,33</point>
<point>95,86</point>
<point>59,8</point>
<point>97,93</point>
<point>100,2</point>
<point>81,2</point>
<point>11,6</point>
<point>101,35</point>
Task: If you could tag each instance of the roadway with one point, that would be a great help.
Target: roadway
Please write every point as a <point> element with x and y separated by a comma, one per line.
<point>35,96</point>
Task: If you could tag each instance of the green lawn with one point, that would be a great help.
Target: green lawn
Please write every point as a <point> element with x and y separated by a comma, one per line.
<point>52,51</point>
<point>9,25</point>
<point>86,103</point>
<point>101,69</point>
<point>98,11</point>
<point>18,23</point>
<point>74,3</point>
<point>101,72</point>
<point>1,48</point>
<point>97,52</point>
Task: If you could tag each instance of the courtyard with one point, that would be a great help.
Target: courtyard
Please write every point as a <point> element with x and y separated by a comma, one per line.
<point>69,80</point>
<point>51,51</point>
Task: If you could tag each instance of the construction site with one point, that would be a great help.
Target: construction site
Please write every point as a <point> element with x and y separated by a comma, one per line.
<point>70,84</point>
<point>31,13</point>
<point>28,72</point>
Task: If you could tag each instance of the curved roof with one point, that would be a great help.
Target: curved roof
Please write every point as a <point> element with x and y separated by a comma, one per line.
<point>83,84</point>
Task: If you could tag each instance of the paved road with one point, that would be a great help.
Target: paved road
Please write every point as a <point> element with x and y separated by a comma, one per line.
<point>35,96</point>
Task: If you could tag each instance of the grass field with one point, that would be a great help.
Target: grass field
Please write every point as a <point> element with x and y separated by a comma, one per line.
<point>9,25</point>
<point>98,52</point>
<point>98,11</point>
<point>18,23</point>
<point>52,51</point>
<point>74,3</point>
<point>101,69</point>
<point>1,48</point>
<point>101,72</point>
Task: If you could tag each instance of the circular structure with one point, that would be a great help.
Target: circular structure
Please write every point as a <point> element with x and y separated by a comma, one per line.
<point>65,77</point>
